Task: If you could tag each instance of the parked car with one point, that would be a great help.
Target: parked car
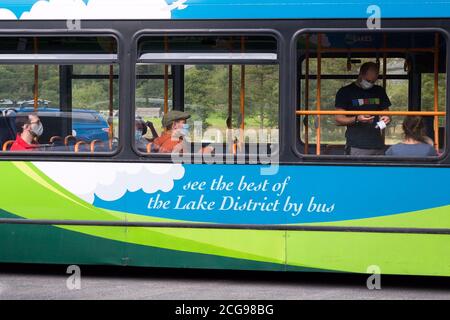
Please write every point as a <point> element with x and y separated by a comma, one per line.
<point>86,125</point>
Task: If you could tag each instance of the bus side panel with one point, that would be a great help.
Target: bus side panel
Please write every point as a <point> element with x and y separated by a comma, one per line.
<point>50,244</point>
<point>202,248</point>
<point>406,254</point>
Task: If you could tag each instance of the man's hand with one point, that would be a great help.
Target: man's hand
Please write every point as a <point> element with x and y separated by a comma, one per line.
<point>385,119</point>
<point>365,118</point>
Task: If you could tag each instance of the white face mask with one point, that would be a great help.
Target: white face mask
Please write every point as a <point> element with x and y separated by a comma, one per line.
<point>366,85</point>
<point>37,129</point>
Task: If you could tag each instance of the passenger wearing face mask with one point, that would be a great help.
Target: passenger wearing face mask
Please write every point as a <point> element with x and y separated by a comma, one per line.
<point>175,137</point>
<point>30,128</point>
<point>139,133</point>
<point>175,131</point>
<point>363,135</point>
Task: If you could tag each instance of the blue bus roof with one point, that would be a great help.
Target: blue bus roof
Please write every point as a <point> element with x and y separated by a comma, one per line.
<point>218,9</point>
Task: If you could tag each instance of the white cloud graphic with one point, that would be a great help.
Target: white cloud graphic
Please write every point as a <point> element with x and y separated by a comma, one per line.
<point>110,181</point>
<point>6,14</point>
<point>101,9</point>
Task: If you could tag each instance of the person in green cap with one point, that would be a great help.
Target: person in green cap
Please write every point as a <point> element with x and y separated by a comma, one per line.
<point>175,130</point>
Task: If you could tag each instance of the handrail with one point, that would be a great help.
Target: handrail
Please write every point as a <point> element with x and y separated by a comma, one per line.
<point>436,90</point>
<point>319,112</point>
<point>373,113</point>
<point>7,145</point>
<point>79,144</point>
<point>307,92</point>
<point>166,78</point>
<point>69,137</point>
<point>319,92</point>
<point>96,142</point>
<point>52,139</point>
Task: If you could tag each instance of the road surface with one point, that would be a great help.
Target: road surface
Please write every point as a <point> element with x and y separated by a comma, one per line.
<point>50,282</point>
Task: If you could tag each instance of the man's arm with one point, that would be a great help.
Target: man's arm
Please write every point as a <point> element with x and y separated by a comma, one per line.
<point>344,120</point>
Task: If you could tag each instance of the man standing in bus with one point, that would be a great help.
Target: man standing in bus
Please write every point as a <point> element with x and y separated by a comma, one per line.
<point>364,132</point>
<point>30,128</point>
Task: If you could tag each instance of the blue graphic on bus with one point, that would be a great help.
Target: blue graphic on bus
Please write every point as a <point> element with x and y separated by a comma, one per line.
<point>260,9</point>
<point>290,9</point>
<point>240,194</point>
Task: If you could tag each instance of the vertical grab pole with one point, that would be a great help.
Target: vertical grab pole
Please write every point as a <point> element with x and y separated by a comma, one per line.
<point>36,80</point>
<point>230,110</point>
<point>230,97</point>
<point>242,97</point>
<point>319,93</point>
<point>307,94</point>
<point>111,102</point>
<point>436,90</point>
<point>384,61</point>
<point>383,134</point>
<point>166,78</point>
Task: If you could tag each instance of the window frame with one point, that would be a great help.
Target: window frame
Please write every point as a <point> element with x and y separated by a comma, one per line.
<point>158,157</point>
<point>108,59</point>
<point>367,160</point>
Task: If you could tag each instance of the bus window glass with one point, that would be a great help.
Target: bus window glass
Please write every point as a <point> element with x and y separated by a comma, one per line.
<point>226,88</point>
<point>399,70</point>
<point>150,98</point>
<point>49,105</point>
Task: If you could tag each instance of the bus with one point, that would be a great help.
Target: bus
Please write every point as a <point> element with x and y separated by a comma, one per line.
<point>256,80</point>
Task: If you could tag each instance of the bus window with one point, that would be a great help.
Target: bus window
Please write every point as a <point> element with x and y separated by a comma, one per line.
<point>63,92</point>
<point>227,85</point>
<point>332,102</point>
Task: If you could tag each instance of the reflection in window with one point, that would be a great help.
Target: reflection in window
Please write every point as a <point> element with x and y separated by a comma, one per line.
<point>406,71</point>
<point>55,106</point>
<point>225,87</point>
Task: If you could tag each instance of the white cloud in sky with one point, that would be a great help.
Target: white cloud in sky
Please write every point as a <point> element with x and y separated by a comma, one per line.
<point>102,9</point>
<point>110,181</point>
<point>6,14</point>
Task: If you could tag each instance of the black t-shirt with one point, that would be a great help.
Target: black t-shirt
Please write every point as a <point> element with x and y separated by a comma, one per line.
<point>354,98</point>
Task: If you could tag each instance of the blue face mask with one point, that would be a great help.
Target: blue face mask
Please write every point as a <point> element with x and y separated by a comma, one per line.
<point>185,129</point>
<point>137,135</point>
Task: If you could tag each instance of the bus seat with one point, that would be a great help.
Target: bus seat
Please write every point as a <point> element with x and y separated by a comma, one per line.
<point>113,144</point>
<point>97,146</point>
<point>70,142</point>
<point>56,141</point>
<point>81,146</point>
<point>150,147</point>
<point>7,145</point>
